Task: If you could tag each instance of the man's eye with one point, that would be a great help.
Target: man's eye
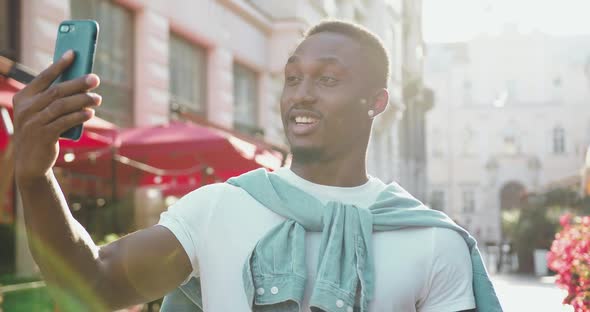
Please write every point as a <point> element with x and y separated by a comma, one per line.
<point>329,81</point>
<point>291,80</point>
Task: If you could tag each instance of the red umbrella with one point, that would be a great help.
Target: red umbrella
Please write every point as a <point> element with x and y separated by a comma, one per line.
<point>184,151</point>
<point>5,128</point>
<point>8,87</point>
<point>92,153</point>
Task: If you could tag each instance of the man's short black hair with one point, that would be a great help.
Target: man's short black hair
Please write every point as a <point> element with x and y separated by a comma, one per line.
<point>376,54</point>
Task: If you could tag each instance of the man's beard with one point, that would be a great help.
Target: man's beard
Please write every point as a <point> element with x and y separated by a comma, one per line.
<point>304,155</point>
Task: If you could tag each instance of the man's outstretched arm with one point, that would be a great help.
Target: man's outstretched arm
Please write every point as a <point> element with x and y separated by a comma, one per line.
<point>140,267</point>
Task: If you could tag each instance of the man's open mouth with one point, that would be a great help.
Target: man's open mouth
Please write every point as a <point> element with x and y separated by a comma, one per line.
<point>303,122</point>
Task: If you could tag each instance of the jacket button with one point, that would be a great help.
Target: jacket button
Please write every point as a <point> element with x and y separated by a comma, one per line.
<point>349,309</point>
<point>339,303</point>
<point>274,290</point>
<point>260,291</point>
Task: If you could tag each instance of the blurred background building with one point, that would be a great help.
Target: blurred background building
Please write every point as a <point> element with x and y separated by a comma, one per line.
<point>512,118</point>
<point>223,61</point>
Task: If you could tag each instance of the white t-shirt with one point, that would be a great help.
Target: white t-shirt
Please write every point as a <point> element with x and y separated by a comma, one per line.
<point>416,269</point>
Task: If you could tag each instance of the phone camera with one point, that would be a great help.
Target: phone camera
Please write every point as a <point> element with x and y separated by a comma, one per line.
<point>64,28</point>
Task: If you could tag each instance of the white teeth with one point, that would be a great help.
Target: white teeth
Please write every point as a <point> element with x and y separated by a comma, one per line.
<point>304,119</point>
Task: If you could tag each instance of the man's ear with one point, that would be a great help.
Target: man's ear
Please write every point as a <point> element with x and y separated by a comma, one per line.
<point>380,100</point>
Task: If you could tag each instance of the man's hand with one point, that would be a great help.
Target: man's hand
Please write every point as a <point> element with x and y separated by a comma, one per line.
<point>42,112</point>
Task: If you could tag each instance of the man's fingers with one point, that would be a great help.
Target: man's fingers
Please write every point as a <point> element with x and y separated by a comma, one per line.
<point>46,77</point>
<point>67,105</point>
<point>68,121</point>
<point>65,89</point>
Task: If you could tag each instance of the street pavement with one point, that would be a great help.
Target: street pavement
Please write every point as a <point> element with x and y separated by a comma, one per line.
<point>529,293</point>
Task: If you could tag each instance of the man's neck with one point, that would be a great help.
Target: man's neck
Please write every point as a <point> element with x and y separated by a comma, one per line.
<point>335,172</point>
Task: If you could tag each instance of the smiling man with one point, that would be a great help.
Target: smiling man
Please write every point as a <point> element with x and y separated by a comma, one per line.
<point>320,235</point>
<point>335,84</point>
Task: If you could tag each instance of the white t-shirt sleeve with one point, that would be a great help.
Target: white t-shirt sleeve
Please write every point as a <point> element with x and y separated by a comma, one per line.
<point>188,219</point>
<point>451,275</point>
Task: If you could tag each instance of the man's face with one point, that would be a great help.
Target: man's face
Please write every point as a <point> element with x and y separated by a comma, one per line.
<point>325,80</point>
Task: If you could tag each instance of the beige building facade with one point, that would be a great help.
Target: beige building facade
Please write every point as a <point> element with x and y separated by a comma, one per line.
<point>512,116</point>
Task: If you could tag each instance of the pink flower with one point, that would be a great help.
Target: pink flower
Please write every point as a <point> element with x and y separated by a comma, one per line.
<point>565,219</point>
<point>570,258</point>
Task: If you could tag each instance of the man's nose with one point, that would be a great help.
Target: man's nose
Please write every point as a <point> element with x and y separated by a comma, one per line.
<point>305,92</point>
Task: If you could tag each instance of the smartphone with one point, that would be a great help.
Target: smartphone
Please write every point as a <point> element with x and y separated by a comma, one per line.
<point>79,36</point>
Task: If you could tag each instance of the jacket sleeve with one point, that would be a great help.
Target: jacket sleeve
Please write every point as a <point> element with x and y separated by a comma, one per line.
<point>186,298</point>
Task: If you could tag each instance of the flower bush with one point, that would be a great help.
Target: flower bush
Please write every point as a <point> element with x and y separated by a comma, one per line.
<point>570,258</point>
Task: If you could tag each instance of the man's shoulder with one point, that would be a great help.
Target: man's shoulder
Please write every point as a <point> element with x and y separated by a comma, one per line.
<point>210,195</point>
<point>442,245</point>
<point>444,235</point>
<point>213,190</point>
<point>450,246</point>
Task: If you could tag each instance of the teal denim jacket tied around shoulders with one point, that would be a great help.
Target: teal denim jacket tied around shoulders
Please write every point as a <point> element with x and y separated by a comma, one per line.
<point>274,274</point>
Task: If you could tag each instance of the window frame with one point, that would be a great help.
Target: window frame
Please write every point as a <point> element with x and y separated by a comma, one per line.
<point>468,203</point>
<point>254,127</point>
<point>442,198</point>
<point>122,116</point>
<point>13,10</point>
<point>558,140</point>
<point>181,104</point>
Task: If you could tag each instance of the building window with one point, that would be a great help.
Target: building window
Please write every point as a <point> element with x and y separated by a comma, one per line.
<point>467,224</point>
<point>558,140</point>
<point>469,141</point>
<point>436,141</point>
<point>188,75</point>
<point>246,100</point>
<point>9,30</point>
<point>512,89</point>
<point>467,92</point>
<point>511,144</point>
<point>468,196</point>
<point>437,200</point>
<point>114,57</point>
